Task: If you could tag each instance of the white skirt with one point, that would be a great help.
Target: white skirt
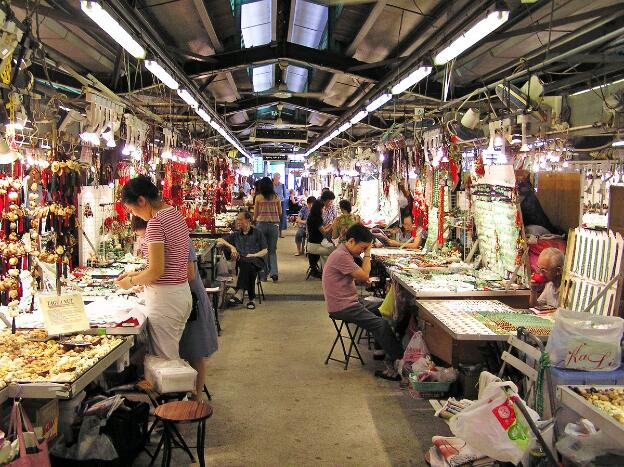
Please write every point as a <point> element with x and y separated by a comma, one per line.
<point>168,307</point>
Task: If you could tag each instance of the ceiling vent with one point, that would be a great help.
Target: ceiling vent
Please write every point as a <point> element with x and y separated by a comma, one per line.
<point>277,135</point>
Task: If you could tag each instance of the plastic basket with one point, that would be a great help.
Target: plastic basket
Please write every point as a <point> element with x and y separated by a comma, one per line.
<point>436,387</point>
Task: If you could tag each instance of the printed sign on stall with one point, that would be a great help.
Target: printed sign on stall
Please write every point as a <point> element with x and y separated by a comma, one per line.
<point>63,314</point>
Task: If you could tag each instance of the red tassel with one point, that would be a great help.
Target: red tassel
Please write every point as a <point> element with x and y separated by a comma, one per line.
<point>454,172</point>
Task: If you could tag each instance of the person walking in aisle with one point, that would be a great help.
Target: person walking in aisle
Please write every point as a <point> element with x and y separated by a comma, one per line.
<point>199,339</point>
<point>249,247</point>
<point>267,214</point>
<point>339,276</point>
<point>166,247</point>
<point>282,193</point>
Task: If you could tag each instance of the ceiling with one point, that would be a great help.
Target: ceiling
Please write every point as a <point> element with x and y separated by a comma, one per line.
<point>307,64</point>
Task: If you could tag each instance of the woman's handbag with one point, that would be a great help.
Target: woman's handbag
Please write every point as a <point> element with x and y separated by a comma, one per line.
<point>36,453</point>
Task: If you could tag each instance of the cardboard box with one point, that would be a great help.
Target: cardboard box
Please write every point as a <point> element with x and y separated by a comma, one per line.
<point>44,415</point>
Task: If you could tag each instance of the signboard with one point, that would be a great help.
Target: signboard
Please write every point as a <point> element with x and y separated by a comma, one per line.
<point>275,157</point>
<point>63,314</point>
<point>295,165</point>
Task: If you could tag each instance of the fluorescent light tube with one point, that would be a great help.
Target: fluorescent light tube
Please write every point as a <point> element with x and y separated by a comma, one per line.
<point>381,100</point>
<point>188,98</point>
<point>214,124</point>
<point>161,74</point>
<point>204,115</point>
<point>334,133</point>
<point>345,126</point>
<point>597,87</point>
<point>410,80</point>
<point>477,32</point>
<point>110,25</point>
<point>618,144</point>
<point>358,116</point>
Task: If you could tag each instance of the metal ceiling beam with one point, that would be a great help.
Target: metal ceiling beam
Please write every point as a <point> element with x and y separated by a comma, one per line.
<point>282,51</point>
<point>595,58</point>
<point>311,105</point>
<point>204,16</point>
<point>593,32</point>
<point>555,23</point>
<point>376,10</point>
<point>588,78</point>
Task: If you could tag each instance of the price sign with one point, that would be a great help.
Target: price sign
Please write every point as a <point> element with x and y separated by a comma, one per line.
<point>63,314</point>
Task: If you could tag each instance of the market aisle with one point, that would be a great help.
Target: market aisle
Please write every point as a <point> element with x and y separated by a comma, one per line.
<point>276,403</point>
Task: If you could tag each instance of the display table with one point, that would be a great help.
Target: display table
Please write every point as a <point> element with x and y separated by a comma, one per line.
<point>607,424</point>
<point>52,390</point>
<point>4,394</point>
<point>455,331</point>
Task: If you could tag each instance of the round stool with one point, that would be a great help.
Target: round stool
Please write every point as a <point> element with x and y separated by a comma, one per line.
<point>183,412</point>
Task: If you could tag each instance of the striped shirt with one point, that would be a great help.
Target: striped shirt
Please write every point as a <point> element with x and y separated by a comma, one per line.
<point>169,227</point>
<point>267,210</point>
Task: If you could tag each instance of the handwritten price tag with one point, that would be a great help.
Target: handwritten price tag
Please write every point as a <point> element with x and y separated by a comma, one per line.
<point>63,314</point>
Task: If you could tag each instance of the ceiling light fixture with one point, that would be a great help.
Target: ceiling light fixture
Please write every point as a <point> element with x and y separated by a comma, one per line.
<point>204,115</point>
<point>598,87</point>
<point>161,74</point>
<point>358,117</point>
<point>410,80</point>
<point>381,100</point>
<point>188,98</point>
<point>104,20</point>
<point>477,32</point>
<point>345,126</point>
<point>7,155</point>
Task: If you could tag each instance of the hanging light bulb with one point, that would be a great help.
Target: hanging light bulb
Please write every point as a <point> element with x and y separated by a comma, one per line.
<point>565,164</point>
<point>7,155</point>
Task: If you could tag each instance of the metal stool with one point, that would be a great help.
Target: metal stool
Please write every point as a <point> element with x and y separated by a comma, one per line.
<point>353,340</point>
<point>172,413</point>
<point>259,293</point>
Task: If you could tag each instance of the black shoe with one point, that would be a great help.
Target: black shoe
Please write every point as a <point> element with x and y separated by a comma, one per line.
<point>274,278</point>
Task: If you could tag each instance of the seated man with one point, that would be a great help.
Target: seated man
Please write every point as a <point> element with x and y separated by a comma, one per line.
<point>339,276</point>
<point>545,290</point>
<point>403,235</point>
<point>248,246</point>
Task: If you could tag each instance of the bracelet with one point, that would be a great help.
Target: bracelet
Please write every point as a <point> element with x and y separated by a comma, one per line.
<point>131,281</point>
<point>367,256</point>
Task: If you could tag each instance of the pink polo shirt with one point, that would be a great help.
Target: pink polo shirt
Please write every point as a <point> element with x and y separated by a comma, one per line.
<point>338,283</point>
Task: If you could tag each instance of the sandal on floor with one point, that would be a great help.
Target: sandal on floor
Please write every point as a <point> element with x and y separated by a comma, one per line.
<point>235,301</point>
<point>251,306</point>
<point>383,375</point>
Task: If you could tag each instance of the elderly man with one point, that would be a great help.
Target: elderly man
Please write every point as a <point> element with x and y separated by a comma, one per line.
<point>339,276</point>
<point>545,284</point>
<point>282,193</point>
<point>249,247</point>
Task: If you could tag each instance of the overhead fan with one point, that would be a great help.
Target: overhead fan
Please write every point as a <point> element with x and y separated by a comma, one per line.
<point>279,123</point>
<point>529,97</point>
<point>281,91</point>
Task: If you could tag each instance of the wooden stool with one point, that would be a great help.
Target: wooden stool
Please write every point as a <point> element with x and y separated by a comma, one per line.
<point>182,412</point>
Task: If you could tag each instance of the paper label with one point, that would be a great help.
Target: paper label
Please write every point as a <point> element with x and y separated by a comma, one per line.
<point>63,314</point>
<point>505,414</point>
<point>590,355</point>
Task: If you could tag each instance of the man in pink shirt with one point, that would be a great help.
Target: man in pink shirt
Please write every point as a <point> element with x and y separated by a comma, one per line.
<point>339,275</point>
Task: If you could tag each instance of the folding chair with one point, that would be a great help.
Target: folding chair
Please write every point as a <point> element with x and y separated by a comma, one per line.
<point>530,372</point>
<point>353,337</point>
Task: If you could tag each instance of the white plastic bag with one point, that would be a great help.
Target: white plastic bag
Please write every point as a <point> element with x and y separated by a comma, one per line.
<point>494,426</point>
<point>416,349</point>
<point>583,341</point>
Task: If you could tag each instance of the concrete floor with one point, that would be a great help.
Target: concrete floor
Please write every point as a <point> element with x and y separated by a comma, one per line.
<point>276,403</point>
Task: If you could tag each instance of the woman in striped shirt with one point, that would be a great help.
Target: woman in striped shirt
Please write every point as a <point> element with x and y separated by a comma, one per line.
<point>267,214</point>
<point>166,247</point>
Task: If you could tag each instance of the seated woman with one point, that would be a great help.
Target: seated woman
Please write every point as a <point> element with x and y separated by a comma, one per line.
<point>249,247</point>
<point>404,236</point>
<point>301,221</point>
<point>316,233</point>
<point>293,204</point>
<point>343,221</point>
